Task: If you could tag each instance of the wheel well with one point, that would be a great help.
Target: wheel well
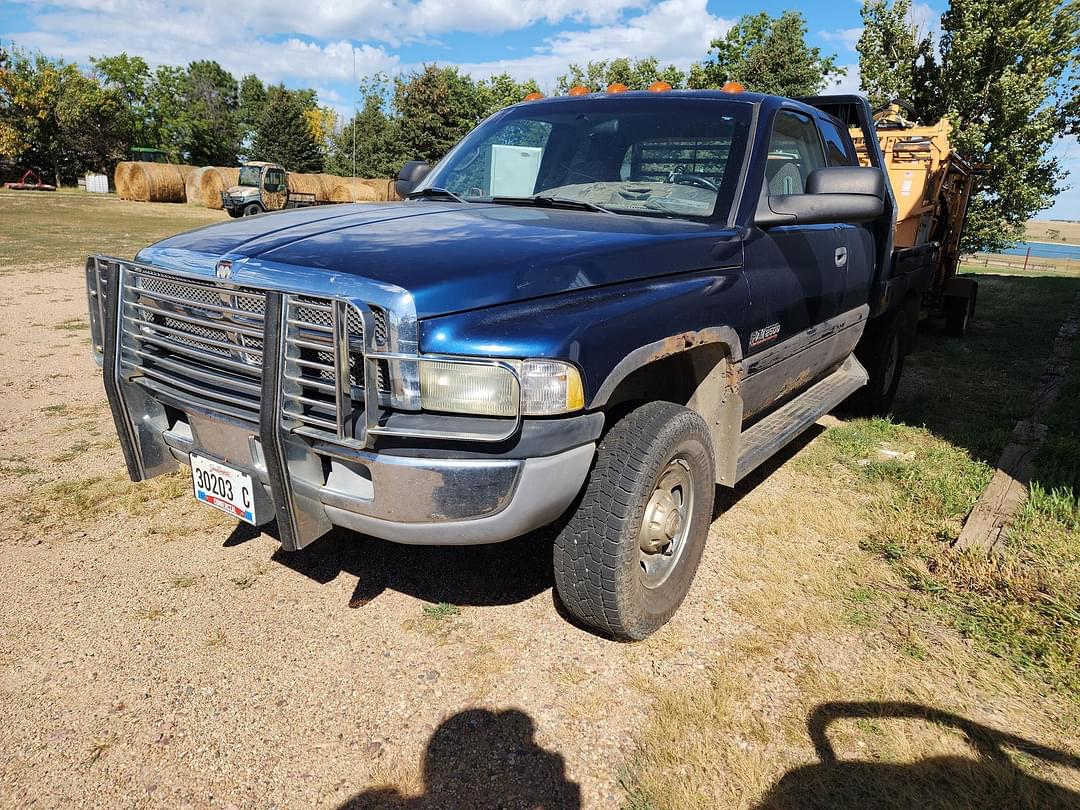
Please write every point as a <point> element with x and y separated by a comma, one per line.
<point>675,378</point>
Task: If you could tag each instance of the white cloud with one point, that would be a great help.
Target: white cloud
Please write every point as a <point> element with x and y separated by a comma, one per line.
<point>674,31</point>
<point>847,37</point>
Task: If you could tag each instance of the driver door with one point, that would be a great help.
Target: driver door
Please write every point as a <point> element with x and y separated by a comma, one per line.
<point>274,194</point>
<point>798,271</point>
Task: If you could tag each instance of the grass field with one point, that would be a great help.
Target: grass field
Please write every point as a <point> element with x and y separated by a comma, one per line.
<point>833,651</point>
<point>78,223</point>
<point>1046,230</point>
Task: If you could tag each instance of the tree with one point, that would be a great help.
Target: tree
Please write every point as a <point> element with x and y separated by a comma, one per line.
<point>636,74</point>
<point>436,107</point>
<point>768,55</point>
<point>501,91</point>
<point>252,102</point>
<point>896,60</point>
<point>167,126</point>
<point>54,117</point>
<point>130,77</point>
<point>1003,77</point>
<point>211,96</point>
<point>374,137</point>
<point>283,134</point>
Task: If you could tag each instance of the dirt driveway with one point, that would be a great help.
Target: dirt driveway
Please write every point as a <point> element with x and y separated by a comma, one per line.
<point>155,655</point>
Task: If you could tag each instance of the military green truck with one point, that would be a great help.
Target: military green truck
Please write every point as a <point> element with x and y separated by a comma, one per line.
<point>262,187</point>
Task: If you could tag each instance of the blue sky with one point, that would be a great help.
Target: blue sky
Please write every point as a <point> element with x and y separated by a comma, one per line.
<point>315,44</point>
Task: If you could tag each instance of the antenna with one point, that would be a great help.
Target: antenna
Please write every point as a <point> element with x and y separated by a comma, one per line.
<point>354,112</point>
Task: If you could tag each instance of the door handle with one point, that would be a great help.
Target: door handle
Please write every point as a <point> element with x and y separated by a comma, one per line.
<point>840,256</point>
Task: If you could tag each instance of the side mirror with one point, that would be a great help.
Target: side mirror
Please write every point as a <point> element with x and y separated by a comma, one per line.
<point>410,176</point>
<point>847,194</point>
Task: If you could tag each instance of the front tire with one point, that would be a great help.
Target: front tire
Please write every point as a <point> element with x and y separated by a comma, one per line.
<point>251,209</point>
<point>625,559</point>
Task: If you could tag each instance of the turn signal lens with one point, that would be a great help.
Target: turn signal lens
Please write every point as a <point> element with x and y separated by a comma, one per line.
<point>617,87</point>
<point>533,96</point>
<point>659,87</point>
<point>550,387</point>
<point>732,87</point>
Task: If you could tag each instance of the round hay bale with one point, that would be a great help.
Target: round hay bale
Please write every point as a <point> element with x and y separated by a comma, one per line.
<point>213,180</point>
<point>351,189</point>
<point>120,179</point>
<point>155,182</point>
<point>383,188</point>
<point>192,189</point>
<point>317,184</point>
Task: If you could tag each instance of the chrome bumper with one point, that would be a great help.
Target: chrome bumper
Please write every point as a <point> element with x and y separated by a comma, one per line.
<point>427,501</point>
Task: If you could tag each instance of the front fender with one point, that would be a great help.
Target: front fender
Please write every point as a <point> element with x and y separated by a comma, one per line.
<point>608,331</point>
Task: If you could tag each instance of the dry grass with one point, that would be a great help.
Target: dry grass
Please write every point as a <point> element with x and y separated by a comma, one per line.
<point>42,231</point>
<point>1048,230</point>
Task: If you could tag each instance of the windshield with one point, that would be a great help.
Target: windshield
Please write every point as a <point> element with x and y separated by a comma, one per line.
<point>666,156</point>
<point>249,176</point>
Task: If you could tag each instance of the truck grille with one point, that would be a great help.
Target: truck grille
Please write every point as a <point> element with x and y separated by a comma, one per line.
<point>201,342</point>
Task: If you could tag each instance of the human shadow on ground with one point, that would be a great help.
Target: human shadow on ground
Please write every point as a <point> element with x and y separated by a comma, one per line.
<point>480,759</point>
<point>988,780</point>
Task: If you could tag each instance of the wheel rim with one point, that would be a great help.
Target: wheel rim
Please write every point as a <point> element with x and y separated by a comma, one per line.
<point>890,364</point>
<point>665,525</point>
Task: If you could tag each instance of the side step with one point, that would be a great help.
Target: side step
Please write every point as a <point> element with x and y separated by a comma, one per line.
<point>764,438</point>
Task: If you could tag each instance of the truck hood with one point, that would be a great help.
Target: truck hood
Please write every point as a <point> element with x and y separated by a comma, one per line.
<point>449,256</point>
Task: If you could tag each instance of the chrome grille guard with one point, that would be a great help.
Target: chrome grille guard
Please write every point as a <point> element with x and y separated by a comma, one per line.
<point>296,367</point>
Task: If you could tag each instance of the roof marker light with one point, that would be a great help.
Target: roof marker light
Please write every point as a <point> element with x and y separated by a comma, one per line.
<point>733,87</point>
<point>617,87</point>
<point>579,90</point>
<point>659,87</point>
<point>533,96</point>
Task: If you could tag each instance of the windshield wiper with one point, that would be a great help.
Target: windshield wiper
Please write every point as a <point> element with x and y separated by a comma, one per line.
<point>433,193</point>
<point>543,201</point>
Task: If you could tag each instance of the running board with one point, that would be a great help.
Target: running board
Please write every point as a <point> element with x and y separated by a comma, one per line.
<point>764,438</point>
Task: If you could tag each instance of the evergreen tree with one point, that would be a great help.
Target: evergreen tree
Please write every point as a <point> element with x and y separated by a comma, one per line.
<point>283,134</point>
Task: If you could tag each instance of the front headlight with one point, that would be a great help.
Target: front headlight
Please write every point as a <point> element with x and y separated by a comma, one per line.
<point>547,387</point>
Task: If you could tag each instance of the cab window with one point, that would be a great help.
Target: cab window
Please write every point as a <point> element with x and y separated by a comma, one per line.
<point>275,181</point>
<point>794,151</point>
<point>838,147</point>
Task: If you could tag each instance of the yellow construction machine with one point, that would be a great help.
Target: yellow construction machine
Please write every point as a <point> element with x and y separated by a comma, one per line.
<point>932,185</point>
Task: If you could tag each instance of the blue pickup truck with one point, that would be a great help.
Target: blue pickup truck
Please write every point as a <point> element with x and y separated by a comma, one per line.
<point>590,313</point>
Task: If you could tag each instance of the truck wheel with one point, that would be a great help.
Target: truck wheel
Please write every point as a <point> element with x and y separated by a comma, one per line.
<point>235,213</point>
<point>881,351</point>
<point>958,313</point>
<point>251,209</point>
<point>625,559</point>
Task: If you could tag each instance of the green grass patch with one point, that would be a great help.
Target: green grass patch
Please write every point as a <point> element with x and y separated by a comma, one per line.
<point>442,610</point>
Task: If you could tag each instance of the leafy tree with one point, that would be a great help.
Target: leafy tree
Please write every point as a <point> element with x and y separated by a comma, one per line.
<point>501,91</point>
<point>374,137</point>
<point>211,102</point>
<point>167,117</point>
<point>768,55</point>
<point>896,60</point>
<point>54,117</point>
<point>130,77</point>
<point>283,134</point>
<point>1003,77</point>
<point>436,107</point>
<point>636,74</point>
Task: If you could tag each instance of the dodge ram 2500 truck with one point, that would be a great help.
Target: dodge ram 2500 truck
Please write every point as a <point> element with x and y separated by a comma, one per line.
<point>591,312</point>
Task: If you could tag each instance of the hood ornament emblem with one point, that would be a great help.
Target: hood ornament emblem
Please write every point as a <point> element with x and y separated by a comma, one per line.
<point>223,269</point>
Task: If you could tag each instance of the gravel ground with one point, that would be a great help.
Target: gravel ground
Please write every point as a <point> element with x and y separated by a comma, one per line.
<point>155,655</point>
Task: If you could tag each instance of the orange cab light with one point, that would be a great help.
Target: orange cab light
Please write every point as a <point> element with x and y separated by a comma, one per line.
<point>617,87</point>
<point>659,87</point>
<point>732,87</point>
<point>533,96</point>
<point>580,90</point>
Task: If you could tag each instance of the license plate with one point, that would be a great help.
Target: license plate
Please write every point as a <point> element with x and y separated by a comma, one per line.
<point>223,488</point>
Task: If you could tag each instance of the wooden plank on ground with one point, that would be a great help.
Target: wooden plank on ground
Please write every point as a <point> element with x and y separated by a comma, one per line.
<point>986,525</point>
